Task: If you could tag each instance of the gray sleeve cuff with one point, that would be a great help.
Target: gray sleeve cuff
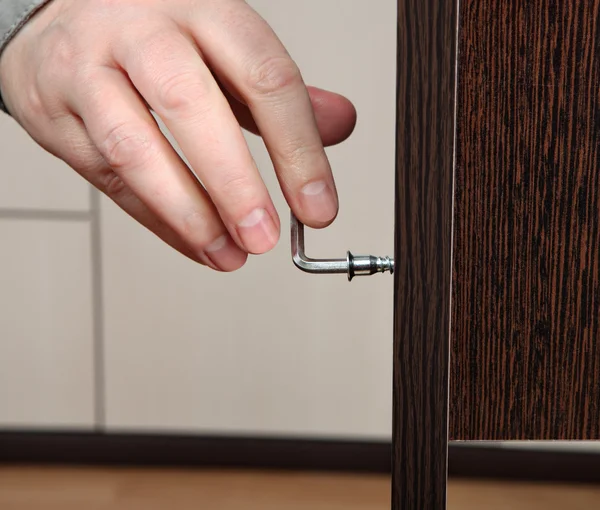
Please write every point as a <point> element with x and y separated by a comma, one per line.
<point>13,15</point>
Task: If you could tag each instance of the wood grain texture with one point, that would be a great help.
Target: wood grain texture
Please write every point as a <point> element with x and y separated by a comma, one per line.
<point>426,90</point>
<point>32,488</point>
<point>526,273</point>
<point>29,488</point>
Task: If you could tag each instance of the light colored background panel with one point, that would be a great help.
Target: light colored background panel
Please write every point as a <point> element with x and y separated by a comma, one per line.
<point>270,349</point>
<point>46,355</point>
<point>31,178</point>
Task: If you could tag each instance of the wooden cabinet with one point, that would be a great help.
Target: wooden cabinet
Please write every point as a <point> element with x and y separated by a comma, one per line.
<point>498,199</point>
<point>525,332</point>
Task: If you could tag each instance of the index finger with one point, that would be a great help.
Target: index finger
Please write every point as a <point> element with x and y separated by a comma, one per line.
<point>253,64</point>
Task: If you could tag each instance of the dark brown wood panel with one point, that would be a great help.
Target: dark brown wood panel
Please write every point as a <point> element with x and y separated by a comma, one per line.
<point>526,272</point>
<point>426,91</point>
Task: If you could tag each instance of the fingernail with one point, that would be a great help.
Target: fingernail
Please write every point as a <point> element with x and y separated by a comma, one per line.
<point>319,202</point>
<point>258,231</point>
<point>225,254</point>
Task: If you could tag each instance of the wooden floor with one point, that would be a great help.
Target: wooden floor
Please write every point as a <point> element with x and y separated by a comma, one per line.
<point>103,489</point>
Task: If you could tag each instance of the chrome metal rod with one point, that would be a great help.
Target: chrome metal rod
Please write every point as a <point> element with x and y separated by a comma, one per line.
<point>352,265</point>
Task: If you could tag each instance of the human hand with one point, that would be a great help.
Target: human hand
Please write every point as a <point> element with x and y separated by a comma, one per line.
<point>81,78</point>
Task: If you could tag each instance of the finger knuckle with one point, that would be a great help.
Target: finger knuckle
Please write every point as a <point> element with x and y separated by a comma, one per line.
<point>84,77</point>
<point>182,92</point>
<point>298,154</point>
<point>198,230</point>
<point>125,147</point>
<point>111,184</point>
<point>60,55</point>
<point>236,186</point>
<point>273,74</point>
<point>77,150</point>
<point>34,106</point>
<point>192,229</point>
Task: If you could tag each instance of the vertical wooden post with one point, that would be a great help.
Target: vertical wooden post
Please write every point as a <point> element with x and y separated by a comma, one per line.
<point>427,33</point>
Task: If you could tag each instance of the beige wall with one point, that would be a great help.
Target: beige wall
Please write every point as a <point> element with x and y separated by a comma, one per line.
<point>171,346</point>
